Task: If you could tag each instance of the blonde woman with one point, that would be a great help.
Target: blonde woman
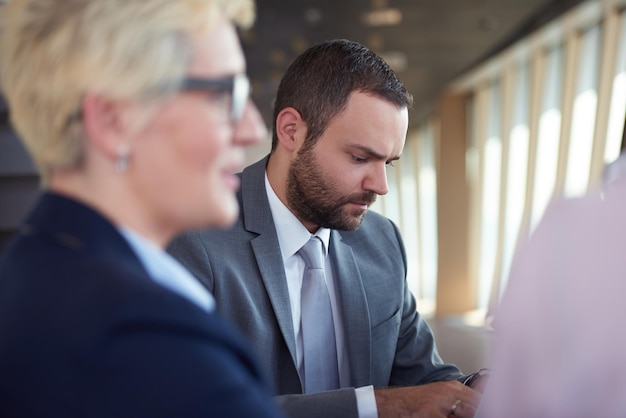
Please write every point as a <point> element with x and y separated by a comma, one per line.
<point>136,113</point>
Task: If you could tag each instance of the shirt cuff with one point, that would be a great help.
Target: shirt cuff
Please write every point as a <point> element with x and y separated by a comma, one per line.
<point>366,402</point>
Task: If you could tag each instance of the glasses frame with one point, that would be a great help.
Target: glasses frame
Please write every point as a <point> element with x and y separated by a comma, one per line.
<point>239,86</point>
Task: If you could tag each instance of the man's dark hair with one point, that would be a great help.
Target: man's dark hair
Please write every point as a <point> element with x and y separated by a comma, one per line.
<point>318,83</point>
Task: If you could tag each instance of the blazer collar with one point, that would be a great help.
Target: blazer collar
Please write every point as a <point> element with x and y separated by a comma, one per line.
<point>354,308</point>
<point>257,215</point>
<point>74,225</point>
<point>257,218</point>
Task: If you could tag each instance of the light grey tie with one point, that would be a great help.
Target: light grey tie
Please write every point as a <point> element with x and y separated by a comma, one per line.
<point>320,369</point>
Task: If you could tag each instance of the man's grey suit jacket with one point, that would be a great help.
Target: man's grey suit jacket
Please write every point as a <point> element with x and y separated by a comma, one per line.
<point>388,343</point>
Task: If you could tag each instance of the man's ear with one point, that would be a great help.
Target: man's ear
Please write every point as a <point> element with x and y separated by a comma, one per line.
<point>105,123</point>
<point>290,129</point>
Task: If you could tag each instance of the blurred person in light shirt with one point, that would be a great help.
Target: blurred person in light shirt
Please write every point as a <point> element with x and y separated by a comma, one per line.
<point>559,343</point>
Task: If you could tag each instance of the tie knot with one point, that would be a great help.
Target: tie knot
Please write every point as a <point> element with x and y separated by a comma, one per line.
<point>313,253</point>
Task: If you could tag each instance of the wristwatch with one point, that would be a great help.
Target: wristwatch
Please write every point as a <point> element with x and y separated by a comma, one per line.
<point>472,378</point>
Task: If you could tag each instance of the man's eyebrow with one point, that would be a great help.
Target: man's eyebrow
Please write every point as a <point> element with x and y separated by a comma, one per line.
<point>374,154</point>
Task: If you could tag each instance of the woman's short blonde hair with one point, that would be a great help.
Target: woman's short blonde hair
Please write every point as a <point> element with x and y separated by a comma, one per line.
<point>53,51</point>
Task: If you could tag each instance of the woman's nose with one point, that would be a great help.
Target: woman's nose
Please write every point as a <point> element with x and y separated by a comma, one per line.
<point>251,128</point>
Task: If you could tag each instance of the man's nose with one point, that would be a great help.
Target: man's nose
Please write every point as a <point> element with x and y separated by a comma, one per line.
<point>376,180</point>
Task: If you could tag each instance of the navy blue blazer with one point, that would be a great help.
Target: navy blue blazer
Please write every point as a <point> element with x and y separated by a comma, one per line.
<point>84,331</point>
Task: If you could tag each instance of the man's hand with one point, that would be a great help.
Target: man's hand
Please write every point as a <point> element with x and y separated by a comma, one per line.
<point>434,400</point>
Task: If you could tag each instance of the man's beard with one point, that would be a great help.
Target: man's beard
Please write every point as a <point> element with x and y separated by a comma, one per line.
<point>314,198</point>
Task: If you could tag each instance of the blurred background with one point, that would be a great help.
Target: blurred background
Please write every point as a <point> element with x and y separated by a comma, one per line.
<point>427,42</point>
<point>517,103</point>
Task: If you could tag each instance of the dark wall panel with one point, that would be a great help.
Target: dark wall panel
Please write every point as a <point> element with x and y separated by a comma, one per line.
<point>14,160</point>
<point>19,181</point>
<point>17,196</point>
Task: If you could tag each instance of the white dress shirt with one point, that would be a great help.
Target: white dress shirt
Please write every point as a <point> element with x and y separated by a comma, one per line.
<point>292,235</point>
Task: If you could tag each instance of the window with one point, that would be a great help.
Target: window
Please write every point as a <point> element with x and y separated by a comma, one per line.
<point>549,134</point>
<point>517,168</point>
<point>584,116</point>
<point>618,99</point>
<point>544,116</point>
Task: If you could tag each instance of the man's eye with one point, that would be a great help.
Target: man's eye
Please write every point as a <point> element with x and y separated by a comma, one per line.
<point>358,159</point>
<point>389,164</point>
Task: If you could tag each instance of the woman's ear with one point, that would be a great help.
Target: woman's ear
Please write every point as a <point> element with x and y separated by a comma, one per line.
<point>290,129</point>
<point>106,124</point>
<point>103,124</point>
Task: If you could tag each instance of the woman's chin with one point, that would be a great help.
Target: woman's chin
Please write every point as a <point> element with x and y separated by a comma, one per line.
<point>226,214</point>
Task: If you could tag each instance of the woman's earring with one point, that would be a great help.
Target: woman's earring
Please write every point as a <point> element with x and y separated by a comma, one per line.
<point>122,158</point>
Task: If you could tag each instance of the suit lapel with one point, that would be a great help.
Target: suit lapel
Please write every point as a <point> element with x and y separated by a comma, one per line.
<point>271,266</point>
<point>354,309</point>
<point>258,219</point>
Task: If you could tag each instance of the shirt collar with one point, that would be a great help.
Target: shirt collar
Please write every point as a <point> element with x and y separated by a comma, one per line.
<point>168,272</point>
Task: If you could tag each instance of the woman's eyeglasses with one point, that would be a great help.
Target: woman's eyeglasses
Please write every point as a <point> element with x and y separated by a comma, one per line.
<point>238,86</point>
